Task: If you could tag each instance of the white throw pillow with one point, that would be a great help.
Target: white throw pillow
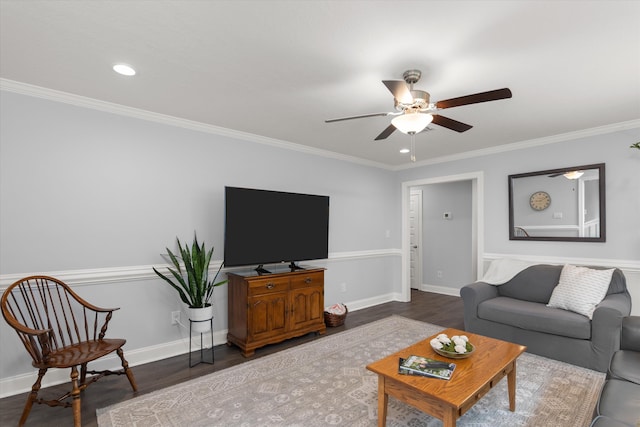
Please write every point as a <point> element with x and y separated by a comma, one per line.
<point>580,289</point>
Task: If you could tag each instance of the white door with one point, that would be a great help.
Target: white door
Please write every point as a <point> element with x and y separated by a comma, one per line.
<point>415,238</point>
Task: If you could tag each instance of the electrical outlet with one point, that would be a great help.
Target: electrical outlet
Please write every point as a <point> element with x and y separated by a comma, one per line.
<point>439,274</point>
<point>343,287</point>
<point>175,317</point>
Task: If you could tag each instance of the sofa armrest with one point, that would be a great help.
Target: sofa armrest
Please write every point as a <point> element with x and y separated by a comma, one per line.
<point>630,333</point>
<point>614,306</point>
<point>472,295</point>
<point>606,325</point>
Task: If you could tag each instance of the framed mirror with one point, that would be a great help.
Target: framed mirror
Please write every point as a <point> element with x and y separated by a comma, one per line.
<point>565,204</point>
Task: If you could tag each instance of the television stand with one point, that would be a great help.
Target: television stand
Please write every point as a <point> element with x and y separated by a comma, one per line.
<point>265,310</point>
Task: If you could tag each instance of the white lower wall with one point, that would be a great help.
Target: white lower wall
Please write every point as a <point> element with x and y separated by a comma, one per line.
<point>144,318</point>
<point>19,376</point>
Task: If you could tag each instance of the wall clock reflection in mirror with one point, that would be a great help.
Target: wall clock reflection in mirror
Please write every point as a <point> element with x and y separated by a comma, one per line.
<point>540,200</point>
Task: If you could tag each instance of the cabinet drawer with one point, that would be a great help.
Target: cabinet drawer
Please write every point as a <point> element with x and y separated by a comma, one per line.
<point>306,280</point>
<point>266,286</point>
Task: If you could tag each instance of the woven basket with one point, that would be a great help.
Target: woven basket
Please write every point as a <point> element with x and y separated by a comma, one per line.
<point>332,320</point>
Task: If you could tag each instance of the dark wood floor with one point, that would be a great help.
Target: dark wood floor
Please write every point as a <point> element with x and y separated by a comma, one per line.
<point>446,311</point>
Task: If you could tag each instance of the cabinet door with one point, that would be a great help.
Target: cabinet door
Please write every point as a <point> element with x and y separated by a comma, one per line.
<point>267,315</point>
<point>307,306</point>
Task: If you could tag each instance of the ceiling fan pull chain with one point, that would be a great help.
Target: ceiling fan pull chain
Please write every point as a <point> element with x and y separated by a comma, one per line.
<point>413,147</point>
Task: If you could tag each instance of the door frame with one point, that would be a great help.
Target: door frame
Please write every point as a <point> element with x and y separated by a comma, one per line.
<point>477,223</point>
<point>418,271</point>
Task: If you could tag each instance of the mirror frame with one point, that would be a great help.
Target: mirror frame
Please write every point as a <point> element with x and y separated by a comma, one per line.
<point>602,205</point>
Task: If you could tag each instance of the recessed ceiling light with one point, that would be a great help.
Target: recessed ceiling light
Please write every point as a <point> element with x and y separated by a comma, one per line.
<point>405,150</point>
<point>124,69</point>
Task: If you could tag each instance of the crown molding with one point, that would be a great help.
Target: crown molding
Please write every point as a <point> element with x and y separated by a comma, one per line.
<point>553,139</point>
<point>110,107</point>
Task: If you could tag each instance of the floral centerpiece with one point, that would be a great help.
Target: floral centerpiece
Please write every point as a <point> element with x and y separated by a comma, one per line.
<point>456,347</point>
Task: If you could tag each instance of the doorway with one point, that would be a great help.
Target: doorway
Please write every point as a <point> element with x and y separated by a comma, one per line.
<point>415,238</point>
<point>477,224</point>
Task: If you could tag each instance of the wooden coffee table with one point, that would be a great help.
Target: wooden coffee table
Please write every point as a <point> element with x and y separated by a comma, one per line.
<point>448,400</point>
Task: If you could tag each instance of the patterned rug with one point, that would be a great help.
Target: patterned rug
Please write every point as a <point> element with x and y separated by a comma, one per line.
<point>324,382</point>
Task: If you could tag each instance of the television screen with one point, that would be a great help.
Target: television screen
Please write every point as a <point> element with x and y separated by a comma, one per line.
<point>266,227</point>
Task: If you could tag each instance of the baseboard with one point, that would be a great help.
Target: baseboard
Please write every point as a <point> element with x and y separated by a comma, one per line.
<point>22,383</point>
<point>370,302</point>
<point>444,290</point>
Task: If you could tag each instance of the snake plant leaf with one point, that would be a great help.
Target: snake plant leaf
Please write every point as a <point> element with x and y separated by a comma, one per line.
<point>182,295</point>
<point>197,290</point>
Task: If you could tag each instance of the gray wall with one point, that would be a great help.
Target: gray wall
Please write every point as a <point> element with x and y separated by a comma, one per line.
<point>96,197</point>
<point>89,193</point>
<point>622,193</point>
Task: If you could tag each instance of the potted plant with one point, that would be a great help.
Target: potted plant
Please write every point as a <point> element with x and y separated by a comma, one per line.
<point>191,281</point>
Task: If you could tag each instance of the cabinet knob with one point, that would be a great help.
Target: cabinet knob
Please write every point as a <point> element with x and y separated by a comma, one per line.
<point>270,286</point>
<point>308,280</point>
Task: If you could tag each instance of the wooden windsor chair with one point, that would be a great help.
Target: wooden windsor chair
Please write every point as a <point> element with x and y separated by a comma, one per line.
<point>60,330</point>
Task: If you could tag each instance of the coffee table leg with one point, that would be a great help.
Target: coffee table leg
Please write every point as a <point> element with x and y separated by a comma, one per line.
<point>511,385</point>
<point>383,399</point>
<point>449,419</point>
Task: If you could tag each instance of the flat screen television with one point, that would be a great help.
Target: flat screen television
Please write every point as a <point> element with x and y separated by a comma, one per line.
<point>268,227</point>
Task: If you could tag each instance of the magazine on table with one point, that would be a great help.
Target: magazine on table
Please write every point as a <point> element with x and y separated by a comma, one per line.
<point>423,366</point>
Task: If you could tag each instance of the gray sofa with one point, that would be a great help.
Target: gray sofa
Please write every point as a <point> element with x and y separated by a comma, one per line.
<point>619,403</point>
<point>516,311</point>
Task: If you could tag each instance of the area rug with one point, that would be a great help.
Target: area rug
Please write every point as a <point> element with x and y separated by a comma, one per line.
<point>325,382</point>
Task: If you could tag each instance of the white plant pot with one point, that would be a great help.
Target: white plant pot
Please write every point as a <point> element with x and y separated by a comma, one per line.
<point>200,319</point>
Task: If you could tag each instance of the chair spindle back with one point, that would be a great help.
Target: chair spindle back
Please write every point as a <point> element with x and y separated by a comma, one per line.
<point>60,317</point>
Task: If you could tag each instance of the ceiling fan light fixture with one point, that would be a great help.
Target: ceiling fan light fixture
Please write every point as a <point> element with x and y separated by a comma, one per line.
<point>573,174</point>
<point>412,123</point>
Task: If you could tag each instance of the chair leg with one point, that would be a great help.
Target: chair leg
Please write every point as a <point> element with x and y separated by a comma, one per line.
<point>83,373</point>
<point>127,370</point>
<point>33,396</point>
<point>75,395</point>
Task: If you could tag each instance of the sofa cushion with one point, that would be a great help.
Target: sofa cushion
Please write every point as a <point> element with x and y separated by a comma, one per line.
<point>534,316</point>
<point>625,365</point>
<point>630,333</point>
<point>602,421</point>
<point>620,400</point>
<point>580,289</point>
<point>535,283</point>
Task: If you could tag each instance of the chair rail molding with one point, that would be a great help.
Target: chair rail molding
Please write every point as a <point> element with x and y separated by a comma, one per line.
<point>622,264</point>
<point>98,276</point>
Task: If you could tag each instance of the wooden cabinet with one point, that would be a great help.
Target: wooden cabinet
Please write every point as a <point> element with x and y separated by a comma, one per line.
<point>265,309</point>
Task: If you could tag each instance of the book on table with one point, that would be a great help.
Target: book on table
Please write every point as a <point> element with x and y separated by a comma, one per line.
<point>426,367</point>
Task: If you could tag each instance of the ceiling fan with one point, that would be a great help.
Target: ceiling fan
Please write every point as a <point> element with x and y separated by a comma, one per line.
<point>575,174</point>
<point>414,110</point>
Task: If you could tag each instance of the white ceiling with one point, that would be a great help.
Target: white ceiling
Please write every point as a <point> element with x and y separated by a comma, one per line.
<point>278,69</point>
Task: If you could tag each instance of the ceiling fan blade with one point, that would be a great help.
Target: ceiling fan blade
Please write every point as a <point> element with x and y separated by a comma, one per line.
<point>385,133</point>
<point>400,90</point>
<point>492,95</point>
<point>450,123</point>
<point>356,117</point>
